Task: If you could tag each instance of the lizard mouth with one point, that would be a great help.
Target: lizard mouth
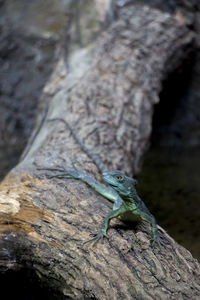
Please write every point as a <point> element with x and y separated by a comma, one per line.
<point>113,185</point>
<point>110,182</point>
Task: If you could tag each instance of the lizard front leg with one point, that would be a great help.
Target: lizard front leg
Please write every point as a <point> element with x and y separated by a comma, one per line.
<point>104,227</point>
<point>150,219</point>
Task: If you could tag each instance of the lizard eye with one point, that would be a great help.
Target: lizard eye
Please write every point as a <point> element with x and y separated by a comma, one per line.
<point>119,178</point>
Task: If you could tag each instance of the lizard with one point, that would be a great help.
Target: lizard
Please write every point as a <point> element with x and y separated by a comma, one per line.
<point>128,206</point>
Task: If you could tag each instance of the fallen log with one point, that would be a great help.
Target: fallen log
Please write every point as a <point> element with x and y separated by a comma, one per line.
<point>45,222</point>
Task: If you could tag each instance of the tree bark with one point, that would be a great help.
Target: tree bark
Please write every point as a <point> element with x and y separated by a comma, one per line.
<point>109,102</point>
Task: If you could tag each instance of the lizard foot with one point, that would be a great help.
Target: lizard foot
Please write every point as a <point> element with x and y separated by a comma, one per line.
<point>96,237</point>
<point>52,169</point>
<point>57,176</point>
<point>62,173</point>
<point>158,241</point>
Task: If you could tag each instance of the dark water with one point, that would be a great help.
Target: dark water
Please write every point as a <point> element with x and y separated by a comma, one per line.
<point>9,157</point>
<point>170,186</point>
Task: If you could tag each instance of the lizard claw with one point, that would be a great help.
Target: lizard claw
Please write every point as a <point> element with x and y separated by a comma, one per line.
<point>159,242</point>
<point>49,176</point>
<point>96,237</point>
<point>63,173</point>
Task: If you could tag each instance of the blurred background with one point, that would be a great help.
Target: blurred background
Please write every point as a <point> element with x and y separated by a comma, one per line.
<point>32,36</point>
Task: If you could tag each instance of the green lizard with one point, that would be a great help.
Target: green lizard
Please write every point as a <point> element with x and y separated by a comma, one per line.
<point>128,206</point>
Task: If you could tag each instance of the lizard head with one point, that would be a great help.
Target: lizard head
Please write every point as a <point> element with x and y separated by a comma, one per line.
<point>119,182</point>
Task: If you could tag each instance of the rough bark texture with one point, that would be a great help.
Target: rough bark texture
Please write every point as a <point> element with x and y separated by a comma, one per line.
<point>109,101</point>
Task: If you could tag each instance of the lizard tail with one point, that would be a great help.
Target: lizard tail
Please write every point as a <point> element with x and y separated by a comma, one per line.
<point>102,168</point>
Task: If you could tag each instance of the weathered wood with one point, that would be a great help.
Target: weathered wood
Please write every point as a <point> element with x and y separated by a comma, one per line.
<point>44,222</point>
